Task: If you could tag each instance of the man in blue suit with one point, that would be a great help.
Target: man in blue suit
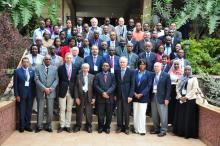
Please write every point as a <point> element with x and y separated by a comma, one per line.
<point>113,60</point>
<point>113,41</point>
<point>165,66</point>
<point>125,84</point>
<point>24,86</point>
<point>160,100</point>
<point>104,84</point>
<point>149,56</point>
<point>95,40</point>
<point>94,60</point>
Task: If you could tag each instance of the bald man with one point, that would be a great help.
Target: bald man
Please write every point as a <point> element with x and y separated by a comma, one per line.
<point>121,29</point>
<point>160,100</point>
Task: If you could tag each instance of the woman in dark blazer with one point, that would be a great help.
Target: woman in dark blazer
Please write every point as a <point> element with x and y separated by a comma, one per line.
<point>143,83</point>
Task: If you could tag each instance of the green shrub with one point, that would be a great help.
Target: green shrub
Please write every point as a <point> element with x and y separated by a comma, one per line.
<point>204,55</point>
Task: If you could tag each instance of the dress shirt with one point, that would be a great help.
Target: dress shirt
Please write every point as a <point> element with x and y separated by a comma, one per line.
<point>86,80</point>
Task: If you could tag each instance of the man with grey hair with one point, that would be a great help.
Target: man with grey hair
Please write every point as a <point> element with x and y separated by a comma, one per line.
<point>84,97</point>
<point>46,79</point>
<point>160,100</point>
<point>121,29</point>
<point>125,84</point>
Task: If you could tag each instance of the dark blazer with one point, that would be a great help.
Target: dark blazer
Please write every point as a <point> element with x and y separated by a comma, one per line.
<point>91,42</point>
<point>79,84</point>
<point>101,86</point>
<point>155,43</point>
<point>116,61</point>
<point>64,83</point>
<point>116,43</point>
<point>125,87</point>
<point>152,60</point>
<point>78,63</point>
<point>175,41</point>
<point>19,83</point>
<point>167,68</point>
<point>143,86</point>
<point>81,52</point>
<point>135,45</point>
<point>163,87</point>
<point>89,60</point>
<point>141,46</point>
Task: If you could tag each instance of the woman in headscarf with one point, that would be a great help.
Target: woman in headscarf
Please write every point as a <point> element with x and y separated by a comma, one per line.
<point>186,115</point>
<point>175,74</point>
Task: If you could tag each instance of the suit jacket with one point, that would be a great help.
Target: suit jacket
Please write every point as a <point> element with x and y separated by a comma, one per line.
<point>64,83</point>
<point>79,84</point>
<point>78,63</point>
<point>119,51</point>
<point>132,60</point>
<point>116,62</point>
<point>89,60</point>
<point>58,61</point>
<point>135,45</point>
<point>156,43</point>
<point>125,86</point>
<point>44,80</point>
<point>167,68</point>
<point>101,86</point>
<point>92,42</point>
<point>39,60</point>
<point>152,60</point>
<point>116,43</point>
<point>81,52</point>
<point>175,41</point>
<point>178,34</point>
<point>143,86</point>
<point>163,87</point>
<point>19,83</point>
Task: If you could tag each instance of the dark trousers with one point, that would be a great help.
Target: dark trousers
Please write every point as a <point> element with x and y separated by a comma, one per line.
<point>105,111</point>
<point>88,111</point>
<point>123,111</point>
<point>25,110</point>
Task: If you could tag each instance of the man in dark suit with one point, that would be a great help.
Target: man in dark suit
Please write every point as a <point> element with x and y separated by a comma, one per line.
<point>174,39</point>
<point>67,75</point>
<point>165,66</point>
<point>155,41</point>
<point>121,50</point>
<point>84,97</point>
<point>84,51</point>
<point>113,42</point>
<point>134,42</point>
<point>95,40</point>
<point>166,33</point>
<point>160,100</point>
<point>113,60</point>
<point>125,84</point>
<point>104,85</point>
<point>94,60</point>
<point>142,44</point>
<point>103,51</point>
<point>183,62</point>
<point>77,61</point>
<point>149,56</point>
<point>24,86</point>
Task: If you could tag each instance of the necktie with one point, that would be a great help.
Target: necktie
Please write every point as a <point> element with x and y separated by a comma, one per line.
<point>94,60</point>
<point>122,74</point>
<point>69,72</point>
<point>78,45</point>
<point>111,62</point>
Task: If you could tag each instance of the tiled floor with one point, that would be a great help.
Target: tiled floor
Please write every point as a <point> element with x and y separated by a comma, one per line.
<point>84,139</point>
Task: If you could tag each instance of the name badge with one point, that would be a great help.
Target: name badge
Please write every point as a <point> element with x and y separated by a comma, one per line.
<point>155,89</point>
<point>84,88</point>
<point>112,70</point>
<point>26,84</point>
<point>183,92</point>
<point>95,68</point>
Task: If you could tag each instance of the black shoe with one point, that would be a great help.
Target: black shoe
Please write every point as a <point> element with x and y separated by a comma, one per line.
<point>107,131</point>
<point>119,130</point>
<point>154,132</point>
<point>76,129</point>
<point>38,130</point>
<point>100,130</point>
<point>89,130</point>
<point>161,134</point>
<point>142,134</point>
<point>127,131</point>
<point>49,129</point>
<point>61,129</point>
<point>29,129</point>
<point>68,129</point>
<point>21,130</point>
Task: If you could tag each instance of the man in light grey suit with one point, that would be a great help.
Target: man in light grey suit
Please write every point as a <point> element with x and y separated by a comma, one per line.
<point>77,61</point>
<point>132,57</point>
<point>56,60</point>
<point>46,78</point>
<point>121,50</point>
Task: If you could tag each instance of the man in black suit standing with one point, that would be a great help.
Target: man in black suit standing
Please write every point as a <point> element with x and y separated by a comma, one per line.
<point>104,85</point>
<point>165,65</point>
<point>160,100</point>
<point>149,56</point>
<point>125,84</point>
<point>84,97</point>
<point>67,75</point>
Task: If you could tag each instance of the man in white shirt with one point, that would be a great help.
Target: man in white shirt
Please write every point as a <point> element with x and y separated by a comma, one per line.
<point>39,31</point>
<point>121,29</point>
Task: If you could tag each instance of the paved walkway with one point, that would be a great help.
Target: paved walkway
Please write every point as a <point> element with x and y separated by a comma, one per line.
<point>95,139</point>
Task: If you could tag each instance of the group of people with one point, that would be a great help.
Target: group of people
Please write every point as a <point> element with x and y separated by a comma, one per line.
<point>128,67</point>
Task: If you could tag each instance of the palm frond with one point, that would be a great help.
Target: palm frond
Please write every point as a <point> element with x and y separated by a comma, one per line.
<point>37,6</point>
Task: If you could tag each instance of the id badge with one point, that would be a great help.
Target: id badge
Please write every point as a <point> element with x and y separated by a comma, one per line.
<point>183,92</point>
<point>155,89</point>
<point>26,84</point>
<point>95,68</point>
<point>112,70</point>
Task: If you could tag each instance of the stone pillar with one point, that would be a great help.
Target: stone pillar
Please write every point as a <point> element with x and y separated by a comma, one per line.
<point>147,6</point>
